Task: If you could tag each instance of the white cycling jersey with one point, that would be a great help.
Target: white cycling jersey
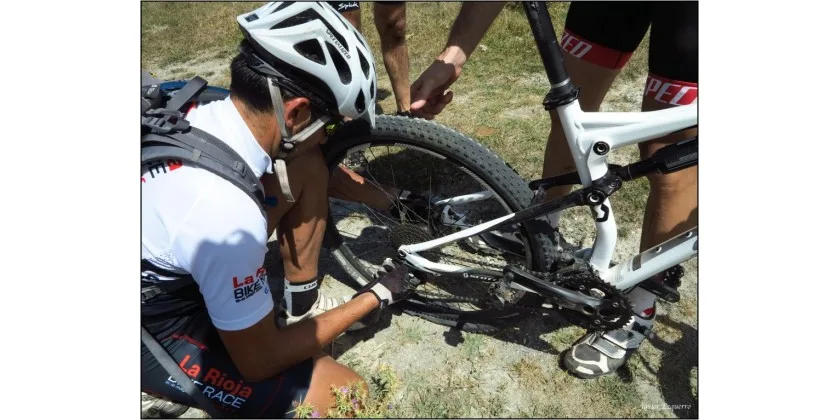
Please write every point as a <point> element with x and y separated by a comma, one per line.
<point>194,222</point>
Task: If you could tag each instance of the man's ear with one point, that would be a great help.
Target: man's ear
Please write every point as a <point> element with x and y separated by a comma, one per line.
<point>297,112</point>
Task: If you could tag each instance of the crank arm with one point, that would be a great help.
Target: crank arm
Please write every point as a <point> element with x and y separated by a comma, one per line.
<point>542,287</point>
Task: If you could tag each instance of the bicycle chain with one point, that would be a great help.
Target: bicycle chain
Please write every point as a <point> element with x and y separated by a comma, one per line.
<point>578,277</point>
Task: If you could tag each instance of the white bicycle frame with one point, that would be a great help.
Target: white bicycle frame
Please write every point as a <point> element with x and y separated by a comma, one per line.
<point>583,130</point>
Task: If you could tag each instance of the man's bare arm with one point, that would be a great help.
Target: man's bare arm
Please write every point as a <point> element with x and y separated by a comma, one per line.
<point>472,23</point>
<point>263,350</point>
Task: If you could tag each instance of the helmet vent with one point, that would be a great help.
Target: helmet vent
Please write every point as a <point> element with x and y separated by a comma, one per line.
<point>282,6</point>
<point>360,102</point>
<point>309,15</point>
<point>340,65</point>
<point>312,50</point>
<point>365,65</point>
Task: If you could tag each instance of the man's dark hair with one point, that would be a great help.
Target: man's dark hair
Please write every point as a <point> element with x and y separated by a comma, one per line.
<point>251,87</point>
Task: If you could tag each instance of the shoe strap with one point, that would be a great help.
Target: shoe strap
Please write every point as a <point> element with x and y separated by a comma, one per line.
<point>624,338</point>
<point>643,330</point>
<point>326,303</point>
<point>606,346</point>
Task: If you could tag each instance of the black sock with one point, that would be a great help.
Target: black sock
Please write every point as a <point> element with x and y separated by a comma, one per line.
<point>299,297</point>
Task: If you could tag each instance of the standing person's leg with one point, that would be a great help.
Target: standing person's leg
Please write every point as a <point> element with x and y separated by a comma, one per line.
<point>389,18</point>
<point>672,202</point>
<point>345,183</point>
<point>672,81</point>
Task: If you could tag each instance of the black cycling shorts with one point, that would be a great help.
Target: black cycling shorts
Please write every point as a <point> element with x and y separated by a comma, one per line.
<point>195,345</point>
<point>349,6</point>
<point>608,33</point>
<point>345,6</point>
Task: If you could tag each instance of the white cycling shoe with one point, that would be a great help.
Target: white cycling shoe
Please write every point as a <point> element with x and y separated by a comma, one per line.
<point>602,353</point>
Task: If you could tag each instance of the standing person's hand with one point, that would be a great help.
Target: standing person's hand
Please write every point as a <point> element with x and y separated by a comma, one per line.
<point>429,93</point>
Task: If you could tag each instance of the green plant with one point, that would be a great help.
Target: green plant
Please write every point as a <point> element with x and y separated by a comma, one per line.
<point>356,400</point>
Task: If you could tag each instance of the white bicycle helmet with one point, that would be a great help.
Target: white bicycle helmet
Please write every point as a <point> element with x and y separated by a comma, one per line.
<point>312,51</point>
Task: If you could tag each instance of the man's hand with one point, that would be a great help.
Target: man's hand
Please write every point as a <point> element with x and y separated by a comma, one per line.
<point>429,93</point>
<point>390,286</point>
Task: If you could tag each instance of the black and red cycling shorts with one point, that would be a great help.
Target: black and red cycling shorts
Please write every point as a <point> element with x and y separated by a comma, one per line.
<point>190,338</point>
<point>608,33</point>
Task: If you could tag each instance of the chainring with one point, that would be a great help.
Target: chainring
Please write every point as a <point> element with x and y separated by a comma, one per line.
<point>584,281</point>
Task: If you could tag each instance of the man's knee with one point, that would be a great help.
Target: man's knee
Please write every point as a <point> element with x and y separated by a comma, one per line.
<point>390,22</point>
<point>328,373</point>
<point>308,170</point>
<point>683,181</point>
<point>328,368</point>
<point>675,181</point>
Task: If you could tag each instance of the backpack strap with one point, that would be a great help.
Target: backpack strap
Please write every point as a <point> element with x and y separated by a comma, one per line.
<point>150,289</point>
<point>186,93</point>
<point>205,151</point>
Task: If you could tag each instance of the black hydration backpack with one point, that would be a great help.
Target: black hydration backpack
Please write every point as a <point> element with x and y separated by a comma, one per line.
<point>167,138</point>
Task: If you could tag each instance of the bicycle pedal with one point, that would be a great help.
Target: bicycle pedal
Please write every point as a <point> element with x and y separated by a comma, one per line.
<point>661,290</point>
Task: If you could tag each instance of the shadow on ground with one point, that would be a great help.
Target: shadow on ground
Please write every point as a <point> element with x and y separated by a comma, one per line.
<point>678,359</point>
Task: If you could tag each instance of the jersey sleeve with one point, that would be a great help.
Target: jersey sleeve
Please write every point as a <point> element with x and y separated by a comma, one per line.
<point>222,243</point>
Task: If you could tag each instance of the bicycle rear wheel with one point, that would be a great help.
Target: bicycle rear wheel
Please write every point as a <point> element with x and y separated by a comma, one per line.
<point>437,163</point>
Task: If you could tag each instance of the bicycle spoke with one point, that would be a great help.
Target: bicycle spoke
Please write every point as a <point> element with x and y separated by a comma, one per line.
<point>370,211</point>
<point>378,184</point>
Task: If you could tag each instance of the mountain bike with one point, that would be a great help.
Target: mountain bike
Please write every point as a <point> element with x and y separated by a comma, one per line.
<point>479,249</point>
<point>475,238</point>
